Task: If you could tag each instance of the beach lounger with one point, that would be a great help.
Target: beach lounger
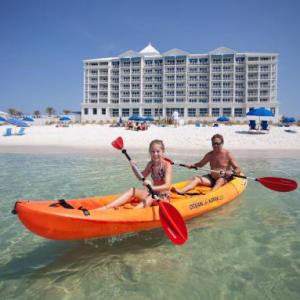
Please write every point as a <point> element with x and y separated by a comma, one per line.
<point>21,131</point>
<point>264,125</point>
<point>8,132</point>
<point>252,125</point>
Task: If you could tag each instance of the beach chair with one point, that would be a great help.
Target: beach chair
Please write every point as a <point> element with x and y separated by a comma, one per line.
<point>252,125</point>
<point>21,131</point>
<point>8,132</point>
<point>264,125</point>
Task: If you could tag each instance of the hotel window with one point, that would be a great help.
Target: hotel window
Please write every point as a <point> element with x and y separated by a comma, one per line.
<point>203,70</point>
<point>157,100</point>
<point>215,112</point>
<point>135,111</point>
<point>216,69</point>
<point>227,99</point>
<point>158,112</point>
<point>193,78</point>
<point>193,61</point>
<point>180,70</point>
<point>148,100</point>
<point>125,112</point>
<point>203,112</point>
<point>216,100</point>
<point>125,100</point>
<point>94,111</point>
<point>239,77</point>
<point>252,58</point>
<point>192,100</point>
<point>191,112</point>
<point>216,60</point>
<point>180,61</point>
<point>216,77</point>
<point>158,62</point>
<point>180,77</point>
<point>180,100</point>
<point>170,85</point>
<point>203,100</point>
<point>239,100</point>
<point>264,92</point>
<point>203,60</point>
<point>180,85</point>
<point>227,112</point>
<point>86,111</point>
<point>135,100</point>
<point>103,111</point>
<point>239,69</point>
<point>193,85</point>
<point>147,111</point>
<point>216,84</point>
<point>115,112</point>
<point>203,85</point>
<point>216,93</point>
<point>226,76</point>
<point>238,112</point>
<point>264,100</point>
<point>204,78</point>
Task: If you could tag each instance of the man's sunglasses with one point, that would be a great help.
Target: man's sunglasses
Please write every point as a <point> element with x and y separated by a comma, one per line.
<point>216,144</point>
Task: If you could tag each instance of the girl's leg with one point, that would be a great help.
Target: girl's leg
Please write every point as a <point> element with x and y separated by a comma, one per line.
<point>125,197</point>
<point>145,202</point>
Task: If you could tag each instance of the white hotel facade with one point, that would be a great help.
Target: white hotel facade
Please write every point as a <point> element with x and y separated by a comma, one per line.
<point>199,86</point>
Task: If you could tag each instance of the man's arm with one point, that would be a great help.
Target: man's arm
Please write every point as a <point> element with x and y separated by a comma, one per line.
<point>234,164</point>
<point>203,161</point>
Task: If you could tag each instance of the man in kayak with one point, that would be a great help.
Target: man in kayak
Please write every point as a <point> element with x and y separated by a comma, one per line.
<point>222,164</point>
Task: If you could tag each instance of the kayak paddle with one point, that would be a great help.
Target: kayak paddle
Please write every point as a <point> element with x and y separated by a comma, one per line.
<point>171,220</point>
<point>273,183</point>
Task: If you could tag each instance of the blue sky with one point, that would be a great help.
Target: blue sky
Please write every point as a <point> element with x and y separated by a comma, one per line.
<point>43,43</point>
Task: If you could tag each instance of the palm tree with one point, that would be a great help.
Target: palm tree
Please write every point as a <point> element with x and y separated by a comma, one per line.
<point>37,113</point>
<point>50,111</point>
<point>12,111</point>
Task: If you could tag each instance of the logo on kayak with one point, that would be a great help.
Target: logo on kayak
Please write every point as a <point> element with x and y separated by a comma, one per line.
<point>206,202</point>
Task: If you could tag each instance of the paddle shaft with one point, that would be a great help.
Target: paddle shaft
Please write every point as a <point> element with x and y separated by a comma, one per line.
<point>140,175</point>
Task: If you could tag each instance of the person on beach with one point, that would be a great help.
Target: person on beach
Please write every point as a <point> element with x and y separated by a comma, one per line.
<point>160,171</point>
<point>175,116</point>
<point>222,164</point>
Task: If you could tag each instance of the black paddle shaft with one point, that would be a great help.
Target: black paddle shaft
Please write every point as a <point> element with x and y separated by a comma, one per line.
<point>140,175</point>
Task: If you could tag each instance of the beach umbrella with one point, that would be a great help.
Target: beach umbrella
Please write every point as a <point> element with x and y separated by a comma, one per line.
<point>2,119</point>
<point>288,120</point>
<point>136,118</point>
<point>260,112</point>
<point>64,118</point>
<point>148,118</point>
<point>17,122</point>
<point>28,119</point>
<point>223,119</point>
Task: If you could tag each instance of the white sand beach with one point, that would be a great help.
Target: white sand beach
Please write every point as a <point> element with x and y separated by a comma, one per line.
<point>180,138</point>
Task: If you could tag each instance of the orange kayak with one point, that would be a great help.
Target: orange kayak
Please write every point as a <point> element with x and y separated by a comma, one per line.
<point>77,219</point>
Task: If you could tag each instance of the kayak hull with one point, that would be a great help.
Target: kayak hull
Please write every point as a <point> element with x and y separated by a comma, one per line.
<point>53,220</point>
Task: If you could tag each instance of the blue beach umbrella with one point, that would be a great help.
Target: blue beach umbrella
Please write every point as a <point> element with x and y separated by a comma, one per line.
<point>2,119</point>
<point>288,120</point>
<point>223,119</point>
<point>136,118</point>
<point>260,112</point>
<point>28,119</point>
<point>149,118</point>
<point>17,122</point>
<point>64,118</point>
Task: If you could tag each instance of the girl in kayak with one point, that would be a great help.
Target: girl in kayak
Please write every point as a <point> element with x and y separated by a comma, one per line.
<point>160,171</point>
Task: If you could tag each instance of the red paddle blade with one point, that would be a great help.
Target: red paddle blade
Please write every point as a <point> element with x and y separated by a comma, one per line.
<point>278,184</point>
<point>118,143</point>
<point>172,223</point>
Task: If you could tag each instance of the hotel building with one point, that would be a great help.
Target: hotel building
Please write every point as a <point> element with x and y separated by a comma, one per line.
<point>199,86</point>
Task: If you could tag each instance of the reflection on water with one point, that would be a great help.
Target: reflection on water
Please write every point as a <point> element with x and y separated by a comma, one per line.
<point>248,249</point>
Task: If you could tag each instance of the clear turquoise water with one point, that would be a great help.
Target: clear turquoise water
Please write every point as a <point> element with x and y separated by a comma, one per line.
<point>249,249</point>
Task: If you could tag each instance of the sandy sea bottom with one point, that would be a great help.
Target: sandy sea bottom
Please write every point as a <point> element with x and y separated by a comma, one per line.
<point>249,249</point>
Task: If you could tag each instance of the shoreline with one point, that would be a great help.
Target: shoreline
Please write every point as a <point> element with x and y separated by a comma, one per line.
<point>44,150</point>
<point>187,138</point>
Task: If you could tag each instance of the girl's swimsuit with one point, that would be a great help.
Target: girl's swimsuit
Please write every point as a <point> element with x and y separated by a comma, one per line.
<point>158,178</point>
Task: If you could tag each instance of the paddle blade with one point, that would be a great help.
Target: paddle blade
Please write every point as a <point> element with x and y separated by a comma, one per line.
<point>172,223</point>
<point>278,184</point>
<point>118,143</point>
